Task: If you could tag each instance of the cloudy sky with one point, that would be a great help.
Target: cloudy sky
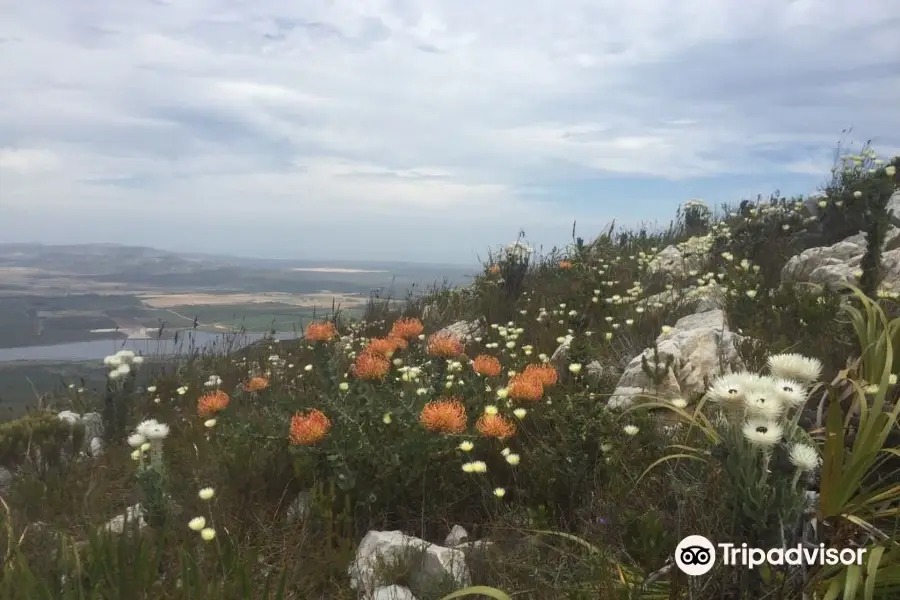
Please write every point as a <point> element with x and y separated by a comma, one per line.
<point>421,129</point>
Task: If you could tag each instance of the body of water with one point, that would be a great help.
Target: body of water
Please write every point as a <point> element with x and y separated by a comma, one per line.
<point>98,349</point>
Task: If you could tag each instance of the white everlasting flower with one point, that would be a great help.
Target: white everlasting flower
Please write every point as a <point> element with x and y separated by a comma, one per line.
<point>499,492</point>
<point>197,523</point>
<point>466,446</point>
<point>208,534</point>
<point>210,423</point>
<point>575,368</point>
<point>136,440</point>
<point>795,366</point>
<point>804,457</point>
<point>513,459</point>
<point>123,370</point>
<point>630,430</point>
<point>125,355</point>
<point>791,393</point>
<point>151,389</point>
<point>479,466</point>
<point>112,361</point>
<point>144,426</point>
<point>762,433</point>
<point>762,401</point>
<point>115,374</point>
<point>156,432</point>
<point>728,388</point>
<point>137,361</point>
<point>679,402</point>
<point>206,493</point>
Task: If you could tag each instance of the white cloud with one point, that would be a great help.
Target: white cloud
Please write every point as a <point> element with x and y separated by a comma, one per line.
<point>448,113</point>
<point>25,161</point>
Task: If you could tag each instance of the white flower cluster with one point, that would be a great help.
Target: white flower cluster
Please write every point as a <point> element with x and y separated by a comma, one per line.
<point>121,363</point>
<point>148,436</point>
<point>518,251</point>
<point>767,407</point>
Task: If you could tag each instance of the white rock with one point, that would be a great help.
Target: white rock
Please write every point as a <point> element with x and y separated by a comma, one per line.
<point>299,508</point>
<point>675,262</point>
<point>93,426</point>
<point>96,447</point>
<point>698,345</point>
<point>120,523</point>
<point>466,331</point>
<point>560,356</point>
<point>393,592</point>
<point>388,547</point>
<point>6,479</point>
<point>457,536</point>
<point>70,417</point>
<point>836,264</point>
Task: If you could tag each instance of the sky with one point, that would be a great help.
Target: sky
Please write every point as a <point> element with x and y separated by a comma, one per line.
<point>422,130</point>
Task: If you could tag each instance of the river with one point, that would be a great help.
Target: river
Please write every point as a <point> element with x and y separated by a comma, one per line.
<point>98,349</point>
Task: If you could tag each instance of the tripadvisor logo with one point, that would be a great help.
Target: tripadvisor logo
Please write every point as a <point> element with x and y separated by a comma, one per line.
<point>696,555</point>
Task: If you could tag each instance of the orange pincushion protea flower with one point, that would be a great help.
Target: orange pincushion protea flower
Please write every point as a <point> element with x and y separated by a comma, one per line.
<point>525,388</point>
<point>565,264</point>
<point>407,328</point>
<point>210,404</point>
<point>444,416</point>
<point>494,269</point>
<point>546,374</point>
<point>256,384</point>
<point>495,426</point>
<point>369,365</point>
<point>445,345</point>
<point>309,428</point>
<point>381,346</point>
<point>387,346</point>
<point>400,343</point>
<point>324,331</point>
<point>486,365</point>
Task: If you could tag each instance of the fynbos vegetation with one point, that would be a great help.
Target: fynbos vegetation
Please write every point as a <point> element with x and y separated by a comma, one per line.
<point>567,419</point>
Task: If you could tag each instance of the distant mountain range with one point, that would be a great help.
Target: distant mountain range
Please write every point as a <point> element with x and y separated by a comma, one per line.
<point>139,265</point>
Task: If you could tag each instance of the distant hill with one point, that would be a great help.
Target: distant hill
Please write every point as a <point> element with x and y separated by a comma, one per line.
<point>140,266</point>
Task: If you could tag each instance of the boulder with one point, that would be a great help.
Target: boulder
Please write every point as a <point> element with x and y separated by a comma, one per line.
<point>93,429</point>
<point>466,331</point>
<point>699,346</point>
<point>393,592</point>
<point>835,265</point>
<point>429,562</point>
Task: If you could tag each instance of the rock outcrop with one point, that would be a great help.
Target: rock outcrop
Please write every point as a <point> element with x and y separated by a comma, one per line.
<point>699,347</point>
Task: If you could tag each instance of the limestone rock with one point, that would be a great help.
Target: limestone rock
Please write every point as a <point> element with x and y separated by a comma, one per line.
<point>393,592</point>
<point>121,523</point>
<point>457,536</point>
<point>835,265</point>
<point>298,510</point>
<point>699,346</point>
<point>93,429</point>
<point>466,331</point>
<point>430,562</point>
